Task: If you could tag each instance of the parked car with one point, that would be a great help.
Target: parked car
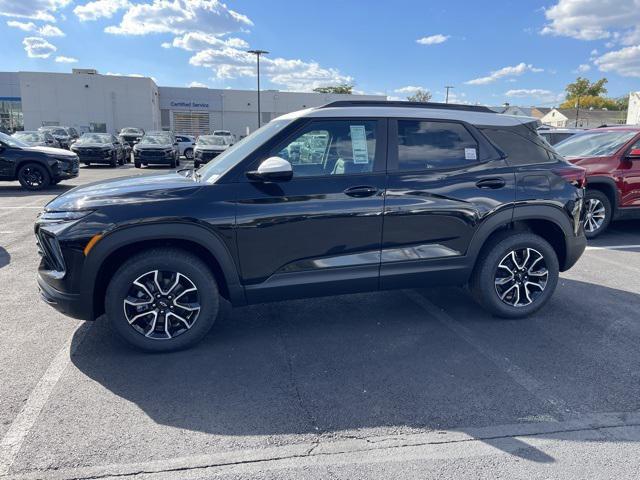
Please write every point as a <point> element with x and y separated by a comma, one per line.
<point>185,146</point>
<point>60,134</point>
<point>225,133</point>
<point>131,135</point>
<point>405,195</point>
<point>37,139</point>
<point>35,168</point>
<point>208,147</point>
<point>73,134</point>
<point>556,135</point>
<point>102,148</point>
<point>159,149</point>
<point>611,157</point>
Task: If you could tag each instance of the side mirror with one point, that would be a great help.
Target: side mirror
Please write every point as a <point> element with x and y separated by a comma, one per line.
<point>273,169</point>
<point>634,154</point>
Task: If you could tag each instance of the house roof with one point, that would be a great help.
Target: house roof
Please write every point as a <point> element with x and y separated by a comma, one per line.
<point>595,115</point>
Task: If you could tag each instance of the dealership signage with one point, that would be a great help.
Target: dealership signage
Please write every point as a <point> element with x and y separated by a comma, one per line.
<point>188,104</point>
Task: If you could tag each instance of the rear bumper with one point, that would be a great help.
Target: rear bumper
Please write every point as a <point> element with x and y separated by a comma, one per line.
<point>68,304</point>
<point>575,248</point>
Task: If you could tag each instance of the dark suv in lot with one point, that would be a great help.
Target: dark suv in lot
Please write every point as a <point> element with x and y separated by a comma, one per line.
<point>349,197</point>
<point>611,157</point>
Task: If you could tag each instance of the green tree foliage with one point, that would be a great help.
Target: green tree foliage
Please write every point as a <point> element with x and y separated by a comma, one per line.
<point>582,87</point>
<point>420,96</point>
<point>591,101</point>
<point>341,88</point>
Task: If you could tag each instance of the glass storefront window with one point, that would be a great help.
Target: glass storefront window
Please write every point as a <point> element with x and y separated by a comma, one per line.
<point>11,118</point>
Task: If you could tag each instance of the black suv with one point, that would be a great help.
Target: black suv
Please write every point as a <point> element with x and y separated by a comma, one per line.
<point>349,197</point>
<point>35,167</point>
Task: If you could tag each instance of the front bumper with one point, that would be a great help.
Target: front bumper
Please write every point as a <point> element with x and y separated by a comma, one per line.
<point>66,303</point>
<point>153,157</point>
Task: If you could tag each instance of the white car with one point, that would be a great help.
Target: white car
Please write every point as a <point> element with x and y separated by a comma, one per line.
<point>208,147</point>
<point>185,145</point>
<point>226,134</point>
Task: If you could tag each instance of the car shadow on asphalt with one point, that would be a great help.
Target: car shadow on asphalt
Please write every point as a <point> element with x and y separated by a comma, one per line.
<point>362,362</point>
<point>18,191</point>
<point>5,257</point>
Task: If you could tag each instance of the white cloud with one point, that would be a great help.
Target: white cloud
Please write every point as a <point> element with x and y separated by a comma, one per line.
<point>536,94</point>
<point>594,19</point>
<point>625,62</point>
<point>180,16</point>
<point>33,9</point>
<point>582,68</point>
<point>63,59</point>
<point>195,41</point>
<point>513,71</point>
<point>433,39</point>
<point>409,89</point>
<point>99,9</point>
<point>198,85</point>
<point>44,31</point>
<point>37,47</point>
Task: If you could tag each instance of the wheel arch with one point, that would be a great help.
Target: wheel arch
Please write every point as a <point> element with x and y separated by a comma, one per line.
<point>607,186</point>
<point>40,161</point>
<point>116,247</point>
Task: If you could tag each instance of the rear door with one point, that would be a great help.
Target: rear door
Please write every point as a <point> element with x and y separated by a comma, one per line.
<point>319,232</point>
<point>444,178</point>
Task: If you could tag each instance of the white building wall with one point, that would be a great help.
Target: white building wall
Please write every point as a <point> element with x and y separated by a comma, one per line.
<point>80,100</point>
<point>633,114</point>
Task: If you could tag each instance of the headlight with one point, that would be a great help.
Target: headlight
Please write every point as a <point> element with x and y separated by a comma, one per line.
<point>57,217</point>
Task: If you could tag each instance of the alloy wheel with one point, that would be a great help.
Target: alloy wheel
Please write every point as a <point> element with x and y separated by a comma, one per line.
<point>162,305</point>
<point>188,154</point>
<point>32,177</point>
<point>521,277</point>
<point>595,215</point>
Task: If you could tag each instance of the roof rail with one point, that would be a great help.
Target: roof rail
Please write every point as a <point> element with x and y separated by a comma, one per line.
<point>394,103</point>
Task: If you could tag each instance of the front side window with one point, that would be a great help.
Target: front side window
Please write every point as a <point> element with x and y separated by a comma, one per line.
<point>331,147</point>
<point>425,145</point>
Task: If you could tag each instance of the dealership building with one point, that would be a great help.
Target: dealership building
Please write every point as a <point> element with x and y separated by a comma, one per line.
<point>90,101</point>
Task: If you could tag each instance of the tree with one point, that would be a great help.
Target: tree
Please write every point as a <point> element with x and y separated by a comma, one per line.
<point>344,88</point>
<point>582,87</point>
<point>590,101</point>
<point>420,95</point>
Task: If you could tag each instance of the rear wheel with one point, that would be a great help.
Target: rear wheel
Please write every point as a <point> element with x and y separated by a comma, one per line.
<point>515,275</point>
<point>597,213</point>
<point>172,164</point>
<point>137,164</point>
<point>33,176</point>
<point>162,300</point>
<point>113,163</point>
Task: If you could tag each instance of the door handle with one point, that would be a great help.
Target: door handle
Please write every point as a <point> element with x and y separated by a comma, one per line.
<point>361,191</point>
<point>492,183</point>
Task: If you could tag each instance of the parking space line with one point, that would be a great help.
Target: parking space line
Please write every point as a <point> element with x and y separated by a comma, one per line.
<point>614,247</point>
<point>17,207</point>
<point>558,407</point>
<point>12,441</point>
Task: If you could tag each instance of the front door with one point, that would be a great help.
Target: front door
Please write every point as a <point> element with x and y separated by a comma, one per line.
<point>630,173</point>
<point>320,232</point>
<point>443,180</point>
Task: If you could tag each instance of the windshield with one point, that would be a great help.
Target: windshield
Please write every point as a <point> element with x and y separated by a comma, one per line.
<point>211,141</point>
<point>11,141</point>
<point>211,171</point>
<point>29,136</point>
<point>222,133</point>
<point>94,138</point>
<point>130,131</point>
<point>154,140</point>
<point>59,132</point>
<point>594,144</point>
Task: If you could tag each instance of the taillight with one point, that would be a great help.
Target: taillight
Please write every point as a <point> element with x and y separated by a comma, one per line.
<point>576,176</point>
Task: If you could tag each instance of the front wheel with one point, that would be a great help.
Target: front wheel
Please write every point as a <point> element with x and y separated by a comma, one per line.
<point>515,275</point>
<point>162,300</point>
<point>188,154</point>
<point>113,163</point>
<point>597,213</point>
<point>33,176</point>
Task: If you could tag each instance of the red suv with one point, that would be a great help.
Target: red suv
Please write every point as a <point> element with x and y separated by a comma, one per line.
<point>611,156</point>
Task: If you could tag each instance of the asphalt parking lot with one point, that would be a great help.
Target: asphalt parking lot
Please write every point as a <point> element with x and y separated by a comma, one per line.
<point>407,384</point>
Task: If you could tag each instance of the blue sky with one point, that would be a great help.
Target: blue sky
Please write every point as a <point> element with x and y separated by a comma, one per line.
<point>518,51</point>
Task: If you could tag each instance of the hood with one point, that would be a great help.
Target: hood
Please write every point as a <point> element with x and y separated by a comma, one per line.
<point>163,146</point>
<point>592,164</point>
<point>58,152</point>
<point>216,148</point>
<point>125,191</point>
<point>92,145</point>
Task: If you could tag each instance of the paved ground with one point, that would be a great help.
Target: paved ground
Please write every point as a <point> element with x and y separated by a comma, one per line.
<point>405,384</point>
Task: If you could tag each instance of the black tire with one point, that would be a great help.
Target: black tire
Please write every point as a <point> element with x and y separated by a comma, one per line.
<point>188,154</point>
<point>488,272</point>
<point>137,164</point>
<point>163,260</point>
<point>172,164</point>
<point>86,164</point>
<point>596,204</point>
<point>121,161</point>
<point>34,176</point>
<point>114,160</point>
<point>196,164</point>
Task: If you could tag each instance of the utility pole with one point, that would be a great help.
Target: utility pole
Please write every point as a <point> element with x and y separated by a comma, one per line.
<point>448,87</point>
<point>577,111</point>
<point>257,53</point>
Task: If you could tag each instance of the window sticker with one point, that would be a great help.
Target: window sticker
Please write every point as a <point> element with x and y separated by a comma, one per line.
<point>359,144</point>
<point>470,154</point>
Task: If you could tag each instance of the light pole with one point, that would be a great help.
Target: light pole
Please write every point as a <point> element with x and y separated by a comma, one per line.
<point>448,87</point>
<point>257,53</point>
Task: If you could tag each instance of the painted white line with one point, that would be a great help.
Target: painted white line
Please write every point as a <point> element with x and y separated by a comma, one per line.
<point>558,407</point>
<point>6,232</point>
<point>12,441</point>
<point>19,207</point>
<point>614,247</point>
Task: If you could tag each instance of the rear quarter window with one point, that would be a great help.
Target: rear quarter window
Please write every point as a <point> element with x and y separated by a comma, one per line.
<point>520,146</point>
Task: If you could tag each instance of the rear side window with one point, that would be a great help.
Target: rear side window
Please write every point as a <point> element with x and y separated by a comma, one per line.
<point>425,145</point>
<point>519,147</point>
